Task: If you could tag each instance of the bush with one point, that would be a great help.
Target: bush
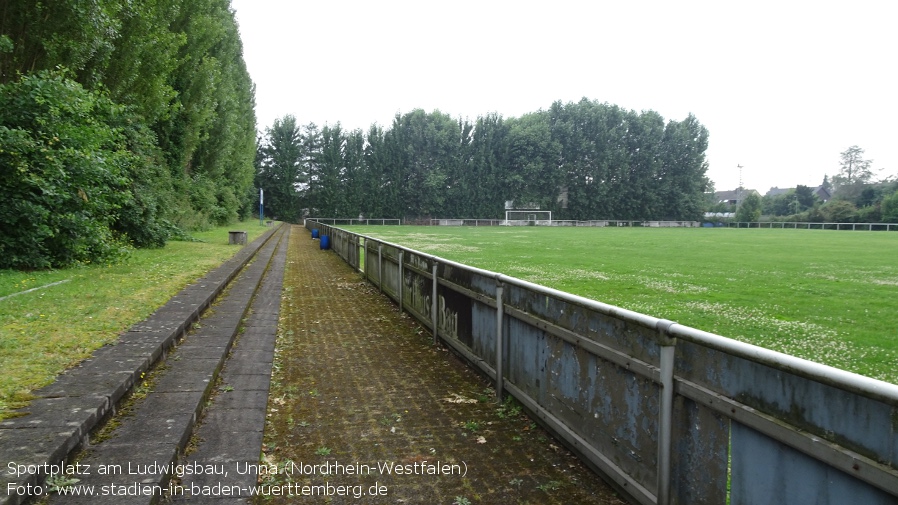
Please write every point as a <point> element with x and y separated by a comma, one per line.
<point>839,211</point>
<point>69,195</point>
<point>869,214</point>
<point>815,214</point>
<point>889,208</point>
<point>750,209</point>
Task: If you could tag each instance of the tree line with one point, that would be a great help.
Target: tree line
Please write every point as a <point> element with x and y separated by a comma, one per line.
<point>583,160</point>
<point>122,124</point>
<point>856,196</point>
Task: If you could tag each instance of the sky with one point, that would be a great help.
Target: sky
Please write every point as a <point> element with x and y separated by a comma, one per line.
<point>782,86</point>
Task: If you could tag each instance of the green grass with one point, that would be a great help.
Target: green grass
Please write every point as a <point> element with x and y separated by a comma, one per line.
<point>826,296</point>
<point>43,332</point>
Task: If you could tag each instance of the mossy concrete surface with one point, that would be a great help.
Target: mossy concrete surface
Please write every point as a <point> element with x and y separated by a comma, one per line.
<point>358,389</point>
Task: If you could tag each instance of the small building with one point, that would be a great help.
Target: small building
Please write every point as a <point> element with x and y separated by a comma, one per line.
<point>775,191</point>
<point>734,197</point>
<point>820,192</point>
<point>823,194</point>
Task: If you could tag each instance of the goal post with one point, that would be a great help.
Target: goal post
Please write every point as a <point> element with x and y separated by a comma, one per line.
<point>528,217</point>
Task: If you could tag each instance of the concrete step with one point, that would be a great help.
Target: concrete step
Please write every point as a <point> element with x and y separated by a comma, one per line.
<point>61,418</point>
<point>143,450</point>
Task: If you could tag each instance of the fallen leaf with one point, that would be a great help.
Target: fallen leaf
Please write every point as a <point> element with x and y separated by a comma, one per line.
<point>481,440</point>
<point>457,398</point>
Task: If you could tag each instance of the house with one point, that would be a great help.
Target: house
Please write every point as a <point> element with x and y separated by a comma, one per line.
<point>823,193</point>
<point>820,192</point>
<point>734,197</point>
<point>775,191</point>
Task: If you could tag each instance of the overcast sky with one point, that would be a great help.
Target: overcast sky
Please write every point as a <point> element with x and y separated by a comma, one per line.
<point>782,86</point>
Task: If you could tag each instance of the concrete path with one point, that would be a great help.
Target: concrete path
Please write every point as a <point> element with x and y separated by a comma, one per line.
<point>361,391</point>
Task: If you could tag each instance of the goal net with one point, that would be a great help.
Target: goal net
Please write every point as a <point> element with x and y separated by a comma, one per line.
<point>528,217</point>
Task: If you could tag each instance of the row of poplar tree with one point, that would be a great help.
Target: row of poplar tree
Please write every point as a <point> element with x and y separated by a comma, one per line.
<point>121,123</point>
<point>584,160</point>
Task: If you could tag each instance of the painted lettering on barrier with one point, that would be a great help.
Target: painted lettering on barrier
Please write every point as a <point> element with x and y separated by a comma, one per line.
<point>448,320</point>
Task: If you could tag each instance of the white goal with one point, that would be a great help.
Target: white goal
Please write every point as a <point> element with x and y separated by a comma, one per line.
<point>528,218</point>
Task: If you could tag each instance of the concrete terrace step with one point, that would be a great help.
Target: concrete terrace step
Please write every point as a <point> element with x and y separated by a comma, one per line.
<point>64,413</point>
<point>146,445</point>
<point>230,432</point>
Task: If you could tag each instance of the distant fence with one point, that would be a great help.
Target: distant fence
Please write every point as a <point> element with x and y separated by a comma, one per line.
<point>612,223</point>
<point>563,222</point>
<point>667,413</point>
<point>816,226</point>
<point>348,221</point>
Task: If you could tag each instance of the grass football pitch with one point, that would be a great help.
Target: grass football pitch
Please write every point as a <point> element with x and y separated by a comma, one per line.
<point>826,296</point>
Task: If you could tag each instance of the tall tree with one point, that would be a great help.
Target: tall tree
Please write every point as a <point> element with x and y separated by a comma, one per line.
<point>532,173</point>
<point>145,55</point>
<point>310,187</point>
<point>79,36</point>
<point>173,89</point>
<point>584,160</point>
<point>619,164</point>
<point>383,197</point>
<point>685,166</point>
<point>280,169</point>
<point>209,137</point>
<point>356,191</point>
<point>854,168</point>
<point>484,175</point>
<point>643,188</point>
<point>460,184</point>
<point>426,145</point>
<point>591,135</point>
<point>328,189</point>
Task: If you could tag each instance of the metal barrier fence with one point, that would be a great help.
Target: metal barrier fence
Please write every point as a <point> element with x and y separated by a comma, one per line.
<point>816,226</point>
<point>564,222</point>
<point>666,413</point>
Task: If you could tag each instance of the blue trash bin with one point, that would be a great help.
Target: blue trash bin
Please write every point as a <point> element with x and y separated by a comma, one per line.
<point>315,233</point>
<point>325,242</point>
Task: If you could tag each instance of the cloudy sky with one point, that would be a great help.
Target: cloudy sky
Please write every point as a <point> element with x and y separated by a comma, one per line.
<point>782,86</point>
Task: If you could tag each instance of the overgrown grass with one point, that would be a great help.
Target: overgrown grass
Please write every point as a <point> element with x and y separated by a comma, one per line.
<point>45,331</point>
<point>826,296</point>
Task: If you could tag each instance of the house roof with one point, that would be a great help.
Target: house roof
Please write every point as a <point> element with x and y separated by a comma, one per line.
<point>823,193</point>
<point>775,191</point>
<point>737,195</point>
<point>820,191</point>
